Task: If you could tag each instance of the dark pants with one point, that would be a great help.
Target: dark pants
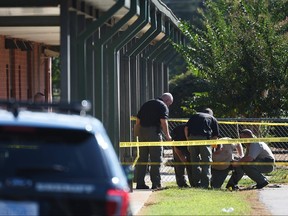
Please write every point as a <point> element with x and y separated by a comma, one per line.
<point>252,171</point>
<point>219,176</point>
<point>146,134</point>
<point>180,169</point>
<point>200,174</point>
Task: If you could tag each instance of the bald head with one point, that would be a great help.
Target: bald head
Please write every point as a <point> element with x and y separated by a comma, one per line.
<point>167,98</point>
<point>208,111</point>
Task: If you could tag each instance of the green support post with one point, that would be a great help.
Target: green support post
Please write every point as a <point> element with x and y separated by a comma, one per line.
<point>114,92</point>
<point>146,38</point>
<point>99,64</point>
<point>157,49</point>
<point>91,28</point>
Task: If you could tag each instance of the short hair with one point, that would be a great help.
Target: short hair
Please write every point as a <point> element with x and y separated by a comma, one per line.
<point>208,110</point>
<point>247,132</point>
<point>167,98</point>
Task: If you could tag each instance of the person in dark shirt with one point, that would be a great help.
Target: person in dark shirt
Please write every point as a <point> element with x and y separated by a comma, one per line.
<point>181,155</point>
<point>151,119</point>
<point>201,126</point>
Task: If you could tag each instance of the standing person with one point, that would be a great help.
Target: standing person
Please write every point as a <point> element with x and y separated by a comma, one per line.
<point>255,152</point>
<point>201,126</point>
<point>181,155</point>
<point>224,154</point>
<point>151,118</point>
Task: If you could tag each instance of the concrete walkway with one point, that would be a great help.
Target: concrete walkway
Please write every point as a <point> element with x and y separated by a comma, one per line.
<point>138,199</point>
<point>275,199</point>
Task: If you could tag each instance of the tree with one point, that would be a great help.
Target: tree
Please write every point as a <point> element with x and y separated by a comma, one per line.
<point>186,88</point>
<point>56,77</point>
<point>241,51</point>
<point>184,10</point>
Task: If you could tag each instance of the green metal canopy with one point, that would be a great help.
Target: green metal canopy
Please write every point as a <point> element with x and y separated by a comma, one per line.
<point>113,53</point>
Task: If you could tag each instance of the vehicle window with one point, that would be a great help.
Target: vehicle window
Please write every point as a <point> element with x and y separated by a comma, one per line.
<point>46,152</point>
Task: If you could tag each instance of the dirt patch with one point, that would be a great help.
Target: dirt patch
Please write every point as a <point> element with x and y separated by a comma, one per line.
<point>258,208</point>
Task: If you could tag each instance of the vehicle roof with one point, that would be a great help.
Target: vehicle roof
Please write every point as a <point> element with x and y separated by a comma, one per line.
<point>51,120</point>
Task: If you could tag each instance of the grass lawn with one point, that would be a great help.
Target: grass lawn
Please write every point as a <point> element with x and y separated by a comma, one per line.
<point>175,201</point>
<point>191,201</point>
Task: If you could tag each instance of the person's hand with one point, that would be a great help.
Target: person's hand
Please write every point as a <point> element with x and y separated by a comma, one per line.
<point>183,159</point>
<point>168,138</point>
<point>235,164</point>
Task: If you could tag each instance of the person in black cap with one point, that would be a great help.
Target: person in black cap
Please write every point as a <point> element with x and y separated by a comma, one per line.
<point>255,152</point>
<point>151,119</point>
<point>201,126</point>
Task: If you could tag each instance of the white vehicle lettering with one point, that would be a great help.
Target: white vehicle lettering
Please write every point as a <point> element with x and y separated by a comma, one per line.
<point>63,187</point>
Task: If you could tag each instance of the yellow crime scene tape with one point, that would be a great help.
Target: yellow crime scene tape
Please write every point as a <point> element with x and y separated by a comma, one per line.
<point>203,142</point>
<point>133,118</point>
<point>206,142</point>
<point>204,163</point>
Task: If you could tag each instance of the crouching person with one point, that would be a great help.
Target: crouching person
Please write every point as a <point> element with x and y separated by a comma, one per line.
<point>222,156</point>
<point>255,152</point>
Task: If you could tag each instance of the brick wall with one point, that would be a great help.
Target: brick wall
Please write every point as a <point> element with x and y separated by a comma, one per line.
<point>4,72</point>
<point>23,73</point>
<point>20,75</point>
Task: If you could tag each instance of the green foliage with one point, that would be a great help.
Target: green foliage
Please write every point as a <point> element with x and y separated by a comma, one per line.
<point>241,53</point>
<point>56,74</point>
<point>186,88</point>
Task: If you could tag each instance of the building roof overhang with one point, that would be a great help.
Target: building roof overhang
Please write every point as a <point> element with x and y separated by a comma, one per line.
<point>39,21</point>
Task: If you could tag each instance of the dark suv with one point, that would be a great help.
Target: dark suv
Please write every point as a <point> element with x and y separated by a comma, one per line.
<point>58,164</point>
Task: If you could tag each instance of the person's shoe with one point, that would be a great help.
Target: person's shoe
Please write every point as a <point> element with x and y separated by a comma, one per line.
<point>198,185</point>
<point>142,187</point>
<point>183,186</point>
<point>156,187</point>
<point>232,187</point>
<point>260,186</point>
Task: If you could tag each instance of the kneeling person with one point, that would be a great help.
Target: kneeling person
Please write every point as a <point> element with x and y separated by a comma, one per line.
<point>221,157</point>
<point>255,152</point>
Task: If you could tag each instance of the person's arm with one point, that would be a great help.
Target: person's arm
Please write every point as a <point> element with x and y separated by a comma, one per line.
<point>246,158</point>
<point>165,128</point>
<point>137,121</point>
<point>186,132</point>
<point>215,129</point>
<point>239,149</point>
<point>180,154</point>
<point>136,127</point>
